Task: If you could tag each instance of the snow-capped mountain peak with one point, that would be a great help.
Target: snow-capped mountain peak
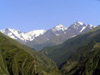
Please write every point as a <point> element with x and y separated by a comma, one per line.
<point>33,34</point>
<point>80,27</point>
<point>36,38</point>
<point>25,36</point>
<point>15,34</point>
<point>79,23</point>
<point>37,32</point>
<point>59,27</point>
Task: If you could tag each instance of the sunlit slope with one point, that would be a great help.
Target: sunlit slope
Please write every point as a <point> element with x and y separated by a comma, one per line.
<point>16,59</point>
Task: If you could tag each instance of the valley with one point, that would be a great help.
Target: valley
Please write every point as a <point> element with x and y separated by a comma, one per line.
<point>49,37</point>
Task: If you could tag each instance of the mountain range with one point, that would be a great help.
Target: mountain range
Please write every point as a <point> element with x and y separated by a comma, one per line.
<point>39,39</point>
<point>78,55</point>
<point>60,53</point>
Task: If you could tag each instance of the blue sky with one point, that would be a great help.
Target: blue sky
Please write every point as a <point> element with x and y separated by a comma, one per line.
<point>27,15</point>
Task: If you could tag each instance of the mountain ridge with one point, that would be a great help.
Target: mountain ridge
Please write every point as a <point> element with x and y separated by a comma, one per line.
<point>42,37</point>
<point>62,52</point>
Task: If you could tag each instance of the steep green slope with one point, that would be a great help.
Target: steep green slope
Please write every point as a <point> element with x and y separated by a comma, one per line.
<point>62,52</point>
<point>84,62</point>
<point>16,59</point>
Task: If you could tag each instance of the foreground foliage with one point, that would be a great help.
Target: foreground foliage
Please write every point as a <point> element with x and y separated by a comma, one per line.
<point>17,59</point>
<point>84,62</point>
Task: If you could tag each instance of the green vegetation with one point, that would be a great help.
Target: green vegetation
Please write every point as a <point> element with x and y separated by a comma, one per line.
<point>84,63</point>
<point>61,53</point>
<point>17,59</point>
<point>77,56</point>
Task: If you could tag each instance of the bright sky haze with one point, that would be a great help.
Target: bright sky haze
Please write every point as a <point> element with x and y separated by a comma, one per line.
<point>27,15</point>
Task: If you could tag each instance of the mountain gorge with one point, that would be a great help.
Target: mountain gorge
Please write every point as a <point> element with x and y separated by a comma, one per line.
<point>39,39</point>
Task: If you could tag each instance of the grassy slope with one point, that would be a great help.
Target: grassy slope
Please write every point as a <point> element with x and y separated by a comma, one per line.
<point>85,62</point>
<point>62,52</point>
<point>17,59</point>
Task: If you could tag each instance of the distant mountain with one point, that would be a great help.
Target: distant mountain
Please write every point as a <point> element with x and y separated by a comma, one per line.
<point>86,60</point>
<point>42,38</point>
<point>62,52</point>
<point>23,36</point>
<point>59,34</point>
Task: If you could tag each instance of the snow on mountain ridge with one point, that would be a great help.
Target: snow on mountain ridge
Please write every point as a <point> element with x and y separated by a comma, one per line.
<point>80,26</point>
<point>77,27</point>
<point>82,29</point>
<point>28,36</point>
<point>33,34</point>
<point>59,27</point>
<point>79,23</point>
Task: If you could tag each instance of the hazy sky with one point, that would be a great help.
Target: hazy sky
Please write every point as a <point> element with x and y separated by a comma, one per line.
<point>27,15</point>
